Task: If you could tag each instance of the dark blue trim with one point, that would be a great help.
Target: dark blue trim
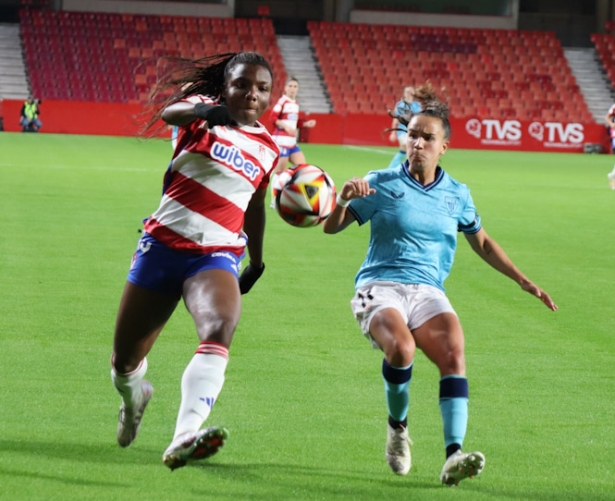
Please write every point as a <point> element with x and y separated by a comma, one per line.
<point>454,387</point>
<point>356,216</point>
<point>395,375</point>
<point>469,229</point>
<point>427,187</point>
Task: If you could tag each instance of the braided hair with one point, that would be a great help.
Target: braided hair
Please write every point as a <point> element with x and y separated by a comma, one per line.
<point>180,77</point>
<point>431,106</point>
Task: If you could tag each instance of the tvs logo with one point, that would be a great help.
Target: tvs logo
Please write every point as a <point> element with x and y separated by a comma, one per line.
<point>510,133</point>
<point>557,134</point>
<point>490,131</point>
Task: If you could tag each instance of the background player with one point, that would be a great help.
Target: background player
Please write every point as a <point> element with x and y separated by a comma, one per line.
<point>285,117</point>
<point>610,120</point>
<point>407,105</point>
<point>192,244</point>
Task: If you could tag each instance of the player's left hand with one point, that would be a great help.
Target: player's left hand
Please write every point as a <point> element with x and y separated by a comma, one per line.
<point>249,276</point>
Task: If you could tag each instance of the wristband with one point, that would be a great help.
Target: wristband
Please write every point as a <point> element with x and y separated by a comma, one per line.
<point>201,109</point>
<point>341,201</point>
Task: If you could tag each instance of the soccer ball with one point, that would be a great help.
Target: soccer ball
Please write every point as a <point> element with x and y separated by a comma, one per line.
<point>305,196</point>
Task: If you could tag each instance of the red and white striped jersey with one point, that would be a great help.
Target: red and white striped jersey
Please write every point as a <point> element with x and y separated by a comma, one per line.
<point>611,112</point>
<point>209,184</point>
<point>287,110</point>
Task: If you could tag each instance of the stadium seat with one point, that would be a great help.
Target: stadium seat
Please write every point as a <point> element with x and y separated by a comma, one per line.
<point>122,49</point>
<point>474,64</point>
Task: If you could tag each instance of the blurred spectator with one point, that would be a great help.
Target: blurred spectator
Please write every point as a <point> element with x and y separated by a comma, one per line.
<point>30,112</point>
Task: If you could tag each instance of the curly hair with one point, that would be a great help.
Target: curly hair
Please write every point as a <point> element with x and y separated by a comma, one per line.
<point>178,78</point>
<point>432,105</point>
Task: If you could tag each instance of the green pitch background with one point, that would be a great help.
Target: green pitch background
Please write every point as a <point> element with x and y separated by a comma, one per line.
<point>303,398</point>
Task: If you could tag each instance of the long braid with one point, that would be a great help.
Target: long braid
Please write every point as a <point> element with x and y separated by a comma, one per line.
<point>179,78</point>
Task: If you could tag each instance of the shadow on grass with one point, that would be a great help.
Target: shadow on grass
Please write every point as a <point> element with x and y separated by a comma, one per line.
<point>59,478</point>
<point>83,453</point>
<point>268,480</point>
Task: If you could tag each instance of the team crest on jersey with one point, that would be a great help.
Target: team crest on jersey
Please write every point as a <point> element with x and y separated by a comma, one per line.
<point>232,156</point>
<point>452,205</point>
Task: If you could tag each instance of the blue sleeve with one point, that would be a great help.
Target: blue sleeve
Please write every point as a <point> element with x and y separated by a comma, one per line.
<point>469,221</point>
<point>363,208</point>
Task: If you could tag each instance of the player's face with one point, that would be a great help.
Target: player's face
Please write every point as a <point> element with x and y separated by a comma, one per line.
<point>409,94</point>
<point>426,143</point>
<point>248,92</point>
<point>291,89</point>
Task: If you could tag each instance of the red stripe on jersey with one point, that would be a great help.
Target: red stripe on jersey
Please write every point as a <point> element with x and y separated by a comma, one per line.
<point>265,139</point>
<point>212,348</point>
<point>202,200</point>
<point>175,241</point>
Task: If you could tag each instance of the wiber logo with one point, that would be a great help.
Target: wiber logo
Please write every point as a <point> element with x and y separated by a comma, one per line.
<point>231,156</point>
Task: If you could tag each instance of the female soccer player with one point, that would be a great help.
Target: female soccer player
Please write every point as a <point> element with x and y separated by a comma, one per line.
<point>285,117</point>
<point>610,120</point>
<point>193,243</point>
<point>416,210</point>
<point>408,105</point>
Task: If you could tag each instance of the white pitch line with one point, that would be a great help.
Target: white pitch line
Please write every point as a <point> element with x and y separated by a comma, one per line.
<point>371,150</point>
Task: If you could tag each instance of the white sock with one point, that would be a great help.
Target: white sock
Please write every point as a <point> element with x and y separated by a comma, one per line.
<point>201,384</point>
<point>129,385</point>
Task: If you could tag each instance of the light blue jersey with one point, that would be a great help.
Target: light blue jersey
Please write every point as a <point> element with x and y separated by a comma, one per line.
<point>413,227</point>
<point>404,108</point>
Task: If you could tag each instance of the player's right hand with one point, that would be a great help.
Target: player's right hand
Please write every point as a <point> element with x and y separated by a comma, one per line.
<point>357,187</point>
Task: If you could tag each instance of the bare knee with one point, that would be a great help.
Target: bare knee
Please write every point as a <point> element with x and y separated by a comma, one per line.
<point>391,333</point>
<point>216,327</point>
<point>399,352</point>
<point>452,361</point>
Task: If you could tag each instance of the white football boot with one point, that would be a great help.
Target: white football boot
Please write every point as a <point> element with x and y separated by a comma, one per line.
<point>460,466</point>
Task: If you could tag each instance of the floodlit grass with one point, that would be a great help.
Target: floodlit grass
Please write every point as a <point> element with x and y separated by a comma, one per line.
<point>303,398</point>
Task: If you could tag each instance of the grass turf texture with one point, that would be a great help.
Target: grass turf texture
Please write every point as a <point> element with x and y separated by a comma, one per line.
<point>303,398</point>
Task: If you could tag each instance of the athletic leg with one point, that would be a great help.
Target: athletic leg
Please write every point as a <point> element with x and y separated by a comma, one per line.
<point>142,315</point>
<point>213,299</point>
<point>390,331</point>
<point>441,339</point>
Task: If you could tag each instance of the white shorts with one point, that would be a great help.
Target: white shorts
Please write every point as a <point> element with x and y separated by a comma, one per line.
<point>416,303</point>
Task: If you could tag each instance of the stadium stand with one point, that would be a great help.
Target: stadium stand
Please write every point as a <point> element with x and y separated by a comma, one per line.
<point>109,57</point>
<point>484,73</point>
<point>604,44</point>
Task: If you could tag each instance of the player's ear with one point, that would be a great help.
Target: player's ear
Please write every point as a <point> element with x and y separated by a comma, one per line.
<point>444,148</point>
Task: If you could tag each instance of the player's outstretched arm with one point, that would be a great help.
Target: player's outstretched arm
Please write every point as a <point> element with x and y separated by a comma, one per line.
<point>489,250</point>
<point>340,218</point>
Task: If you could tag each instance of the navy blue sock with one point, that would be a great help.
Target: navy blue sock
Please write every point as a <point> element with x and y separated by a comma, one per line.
<point>396,387</point>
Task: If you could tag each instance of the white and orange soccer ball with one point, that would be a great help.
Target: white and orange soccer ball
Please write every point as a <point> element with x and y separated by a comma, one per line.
<point>304,195</point>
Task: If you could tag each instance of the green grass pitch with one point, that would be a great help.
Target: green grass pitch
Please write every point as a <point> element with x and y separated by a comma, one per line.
<point>303,397</point>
